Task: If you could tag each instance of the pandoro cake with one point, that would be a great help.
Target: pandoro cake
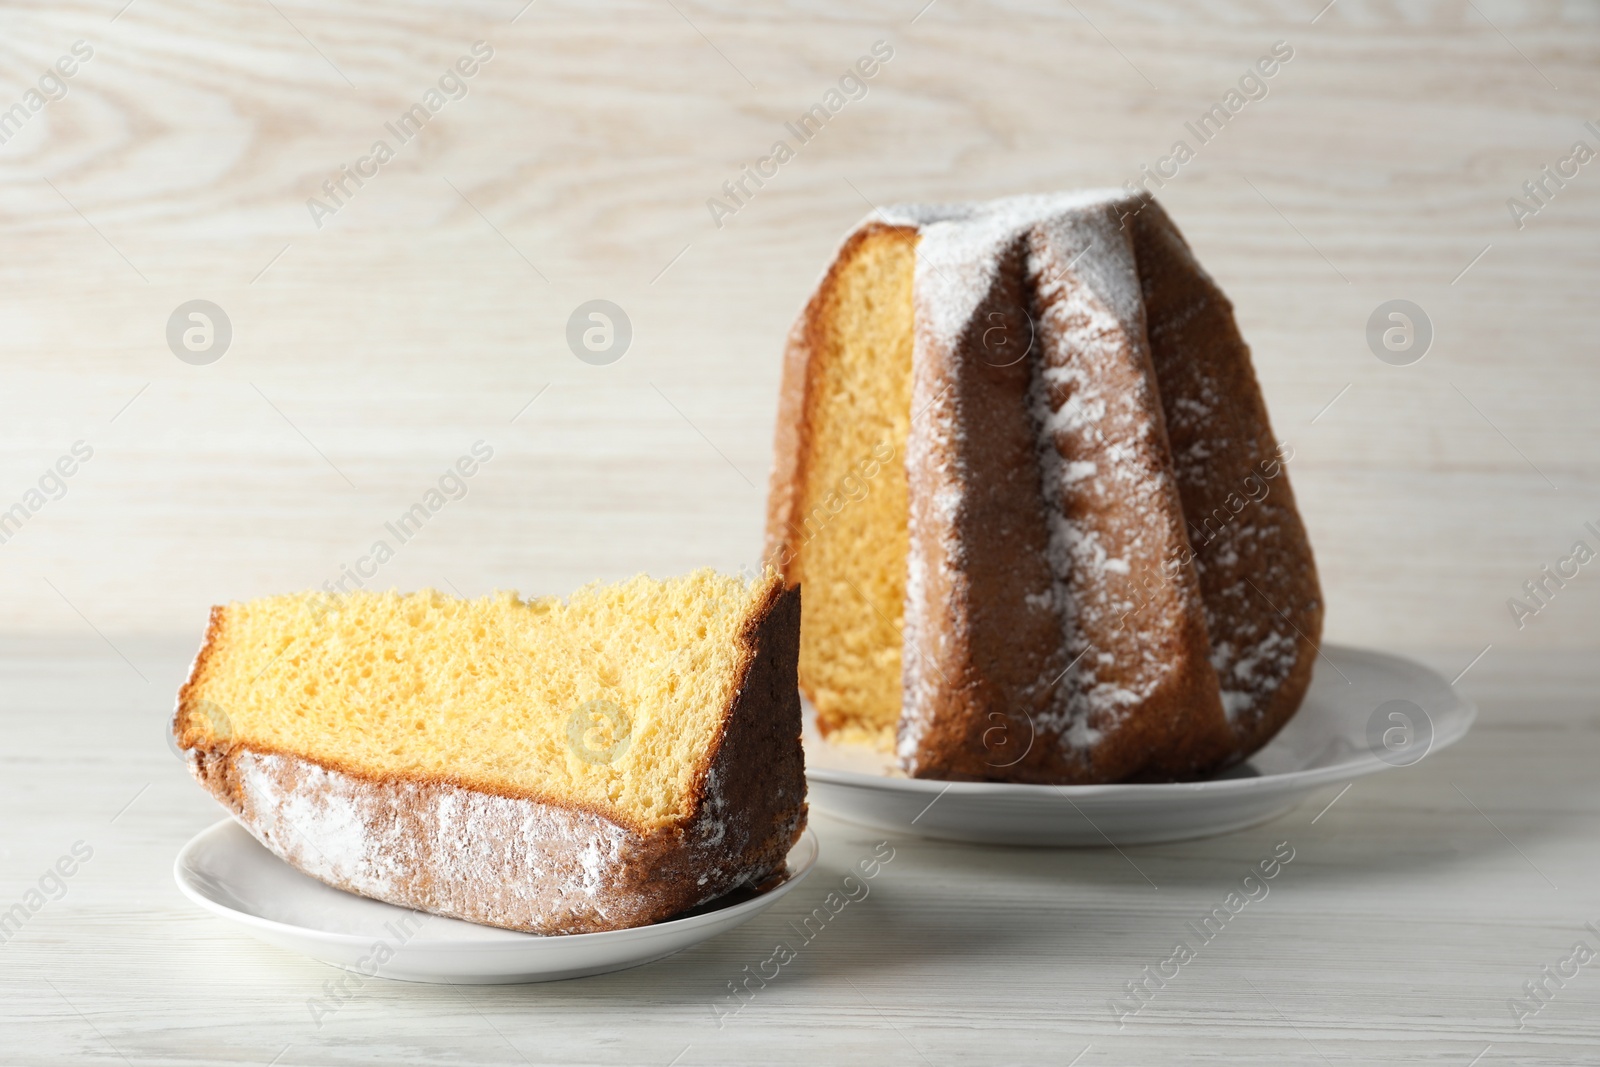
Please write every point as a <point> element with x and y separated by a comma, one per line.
<point>1025,474</point>
<point>547,765</point>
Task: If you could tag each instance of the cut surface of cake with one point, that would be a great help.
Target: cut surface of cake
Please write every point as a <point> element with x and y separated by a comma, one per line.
<point>1080,560</point>
<point>552,766</point>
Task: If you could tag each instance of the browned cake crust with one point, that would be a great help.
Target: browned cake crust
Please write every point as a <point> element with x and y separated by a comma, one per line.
<point>1107,576</point>
<point>528,862</point>
<point>1027,479</point>
<point>1257,576</point>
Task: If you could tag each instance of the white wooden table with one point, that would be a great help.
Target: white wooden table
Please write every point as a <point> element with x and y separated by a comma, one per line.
<point>1414,909</point>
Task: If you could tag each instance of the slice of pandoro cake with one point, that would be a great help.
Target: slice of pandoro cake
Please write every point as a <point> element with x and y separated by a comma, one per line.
<point>552,766</point>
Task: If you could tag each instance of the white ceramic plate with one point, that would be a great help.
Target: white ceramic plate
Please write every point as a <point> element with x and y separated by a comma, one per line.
<point>230,874</point>
<point>1366,711</point>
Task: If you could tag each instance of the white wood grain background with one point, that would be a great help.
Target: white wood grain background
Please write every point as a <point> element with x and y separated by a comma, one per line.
<point>423,317</point>
<point>414,323</point>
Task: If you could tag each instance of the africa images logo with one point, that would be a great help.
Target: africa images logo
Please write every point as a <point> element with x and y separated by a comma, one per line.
<point>599,731</point>
<point>199,332</point>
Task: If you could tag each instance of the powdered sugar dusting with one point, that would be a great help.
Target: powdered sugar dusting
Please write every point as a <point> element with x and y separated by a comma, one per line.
<point>961,250</point>
<point>1134,592</point>
<point>1249,673</point>
<point>336,828</point>
<point>1261,603</point>
<point>934,558</point>
<point>502,861</point>
<point>1097,417</point>
<point>1112,513</point>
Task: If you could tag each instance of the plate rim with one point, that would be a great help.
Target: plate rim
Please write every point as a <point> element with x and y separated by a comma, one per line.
<point>1357,767</point>
<point>516,940</point>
